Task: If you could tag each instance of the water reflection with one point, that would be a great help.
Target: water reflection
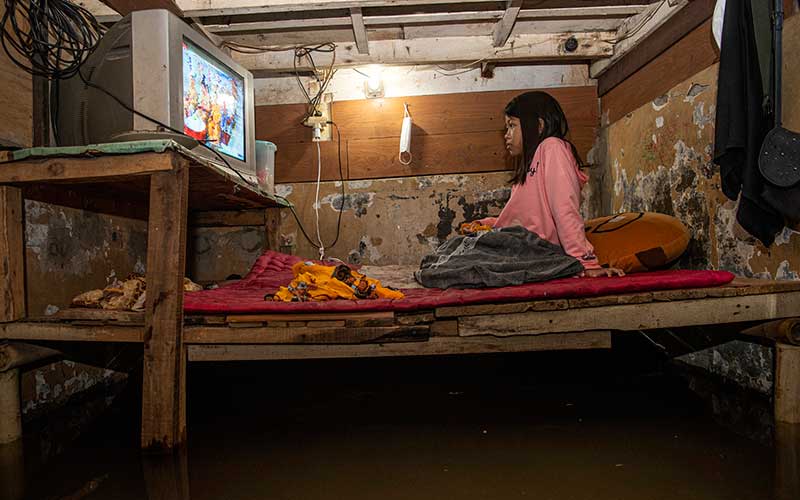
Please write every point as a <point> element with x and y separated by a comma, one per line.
<point>787,461</point>
<point>12,471</point>
<point>494,428</point>
<point>166,477</point>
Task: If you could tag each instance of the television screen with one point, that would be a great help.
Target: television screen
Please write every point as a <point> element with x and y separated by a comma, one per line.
<point>213,102</point>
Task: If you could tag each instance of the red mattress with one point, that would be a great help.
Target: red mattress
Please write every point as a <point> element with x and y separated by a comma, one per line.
<point>274,269</point>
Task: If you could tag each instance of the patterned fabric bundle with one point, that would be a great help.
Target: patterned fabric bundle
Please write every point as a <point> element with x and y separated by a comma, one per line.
<point>315,282</point>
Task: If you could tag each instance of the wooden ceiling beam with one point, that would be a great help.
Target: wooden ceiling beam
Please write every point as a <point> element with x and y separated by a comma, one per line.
<point>681,24</point>
<point>359,30</point>
<point>203,8</point>
<point>638,28</point>
<point>608,12</point>
<point>125,7</point>
<point>448,50</point>
<point>503,28</point>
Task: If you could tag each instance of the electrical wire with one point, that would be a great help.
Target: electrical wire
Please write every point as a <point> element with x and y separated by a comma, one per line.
<point>306,52</point>
<point>301,52</point>
<point>341,181</point>
<point>316,202</point>
<point>51,38</point>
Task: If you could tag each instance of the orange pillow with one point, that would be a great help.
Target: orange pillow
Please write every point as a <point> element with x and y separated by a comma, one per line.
<point>637,241</point>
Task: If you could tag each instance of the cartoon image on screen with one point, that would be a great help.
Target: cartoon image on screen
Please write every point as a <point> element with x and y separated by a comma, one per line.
<point>213,103</point>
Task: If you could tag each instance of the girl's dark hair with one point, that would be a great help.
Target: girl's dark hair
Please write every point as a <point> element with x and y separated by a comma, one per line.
<point>529,108</point>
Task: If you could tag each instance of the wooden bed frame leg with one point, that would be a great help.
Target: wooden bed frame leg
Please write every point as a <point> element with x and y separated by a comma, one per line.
<point>12,254</point>
<point>787,383</point>
<point>164,375</point>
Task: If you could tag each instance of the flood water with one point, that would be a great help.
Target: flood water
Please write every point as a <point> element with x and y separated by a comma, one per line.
<point>572,425</point>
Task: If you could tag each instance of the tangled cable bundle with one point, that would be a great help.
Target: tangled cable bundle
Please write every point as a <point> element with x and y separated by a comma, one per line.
<point>48,38</point>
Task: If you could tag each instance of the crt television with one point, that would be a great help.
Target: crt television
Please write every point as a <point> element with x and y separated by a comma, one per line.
<point>161,67</point>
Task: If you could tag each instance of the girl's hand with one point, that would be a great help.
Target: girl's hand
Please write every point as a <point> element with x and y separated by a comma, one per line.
<point>606,271</point>
<point>473,227</point>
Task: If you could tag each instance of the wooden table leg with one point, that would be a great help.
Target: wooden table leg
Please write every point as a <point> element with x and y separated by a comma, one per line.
<point>12,254</point>
<point>164,377</point>
<point>272,227</point>
<point>787,383</point>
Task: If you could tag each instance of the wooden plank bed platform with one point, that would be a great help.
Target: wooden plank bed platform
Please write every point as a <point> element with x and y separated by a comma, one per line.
<point>583,323</point>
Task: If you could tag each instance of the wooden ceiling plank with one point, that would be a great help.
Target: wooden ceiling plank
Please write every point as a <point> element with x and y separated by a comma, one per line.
<point>504,27</point>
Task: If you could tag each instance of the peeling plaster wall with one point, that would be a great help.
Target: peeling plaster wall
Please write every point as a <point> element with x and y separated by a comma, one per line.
<point>53,385</point>
<point>660,159</point>
<point>70,251</point>
<point>396,220</point>
<point>220,252</point>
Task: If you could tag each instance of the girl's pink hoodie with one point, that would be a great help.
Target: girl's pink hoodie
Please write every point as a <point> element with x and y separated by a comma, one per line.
<point>548,204</point>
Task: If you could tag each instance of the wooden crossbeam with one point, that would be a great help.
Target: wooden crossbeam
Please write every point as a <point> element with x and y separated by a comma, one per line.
<point>606,12</point>
<point>202,8</point>
<point>503,28</point>
<point>633,317</point>
<point>59,169</point>
<point>591,45</point>
<point>434,346</point>
<point>359,30</point>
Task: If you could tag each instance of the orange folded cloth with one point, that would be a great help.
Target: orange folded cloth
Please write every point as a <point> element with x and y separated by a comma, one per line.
<point>315,282</point>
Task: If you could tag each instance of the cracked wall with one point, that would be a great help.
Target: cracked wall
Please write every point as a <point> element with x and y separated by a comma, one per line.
<point>395,220</point>
<point>660,159</point>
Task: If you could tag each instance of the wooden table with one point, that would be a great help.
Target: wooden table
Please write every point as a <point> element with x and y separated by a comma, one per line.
<point>161,188</point>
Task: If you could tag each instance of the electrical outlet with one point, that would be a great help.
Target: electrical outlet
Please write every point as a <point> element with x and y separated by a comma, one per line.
<point>321,118</point>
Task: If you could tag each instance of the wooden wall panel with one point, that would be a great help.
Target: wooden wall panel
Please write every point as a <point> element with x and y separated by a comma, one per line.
<point>16,101</point>
<point>791,75</point>
<point>281,124</point>
<point>692,54</point>
<point>377,158</point>
<point>452,133</point>
<point>297,162</point>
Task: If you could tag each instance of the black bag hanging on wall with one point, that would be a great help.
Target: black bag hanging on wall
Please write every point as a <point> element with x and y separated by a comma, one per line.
<point>779,158</point>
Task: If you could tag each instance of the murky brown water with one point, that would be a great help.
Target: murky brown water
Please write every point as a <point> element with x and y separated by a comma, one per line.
<point>582,425</point>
